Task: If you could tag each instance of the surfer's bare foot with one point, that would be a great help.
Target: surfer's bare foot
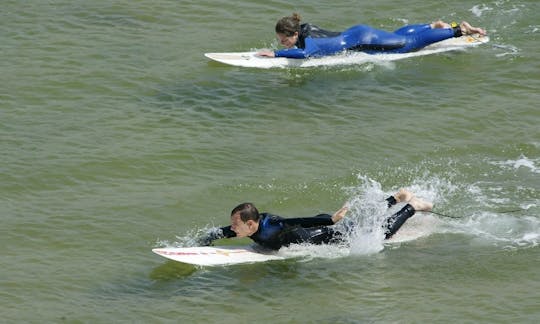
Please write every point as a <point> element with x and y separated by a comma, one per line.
<point>420,205</point>
<point>403,195</point>
<point>467,29</point>
<point>340,214</point>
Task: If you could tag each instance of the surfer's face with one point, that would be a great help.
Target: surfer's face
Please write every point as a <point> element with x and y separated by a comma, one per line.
<point>287,41</point>
<point>242,229</point>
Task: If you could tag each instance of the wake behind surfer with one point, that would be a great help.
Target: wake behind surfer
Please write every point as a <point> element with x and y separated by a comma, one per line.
<point>273,232</point>
<point>307,40</point>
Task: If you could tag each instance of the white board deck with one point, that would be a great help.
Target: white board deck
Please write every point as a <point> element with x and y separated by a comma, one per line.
<point>216,255</point>
<point>415,228</point>
<point>250,59</point>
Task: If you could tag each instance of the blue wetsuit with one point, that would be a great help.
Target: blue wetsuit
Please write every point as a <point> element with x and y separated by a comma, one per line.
<point>313,41</point>
<point>275,231</point>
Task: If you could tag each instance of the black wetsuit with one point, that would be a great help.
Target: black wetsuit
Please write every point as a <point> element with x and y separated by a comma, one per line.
<point>275,231</point>
<point>309,30</point>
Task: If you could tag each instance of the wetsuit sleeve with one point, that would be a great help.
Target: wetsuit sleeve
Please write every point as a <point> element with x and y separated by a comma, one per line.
<point>291,53</point>
<point>319,220</point>
<point>215,234</point>
<point>314,47</point>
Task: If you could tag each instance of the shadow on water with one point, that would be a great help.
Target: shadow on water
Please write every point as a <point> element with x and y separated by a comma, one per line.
<point>172,270</point>
<point>220,89</point>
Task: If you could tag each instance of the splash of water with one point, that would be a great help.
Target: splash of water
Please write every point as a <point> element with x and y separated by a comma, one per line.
<point>366,215</point>
<point>190,238</point>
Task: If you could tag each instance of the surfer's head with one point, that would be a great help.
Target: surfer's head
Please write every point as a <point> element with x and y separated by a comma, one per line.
<point>245,219</point>
<point>288,29</point>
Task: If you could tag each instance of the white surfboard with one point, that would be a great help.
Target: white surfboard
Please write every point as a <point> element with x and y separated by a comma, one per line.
<point>415,228</point>
<point>251,59</point>
<point>216,255</point>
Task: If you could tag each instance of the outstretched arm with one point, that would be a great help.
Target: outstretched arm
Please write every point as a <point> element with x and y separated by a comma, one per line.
<point>297,53</point>
<point>290,53</point>
<point>319,220</point>
<point>215,234</point>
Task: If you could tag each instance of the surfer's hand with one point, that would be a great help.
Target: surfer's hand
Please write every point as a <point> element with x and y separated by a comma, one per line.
<point>204,241</point>
<point>266,53</point>
<point>340,214</point>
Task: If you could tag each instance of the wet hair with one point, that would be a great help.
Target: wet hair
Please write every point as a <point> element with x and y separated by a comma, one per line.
<point>289,25</point>
<point>247,212</point>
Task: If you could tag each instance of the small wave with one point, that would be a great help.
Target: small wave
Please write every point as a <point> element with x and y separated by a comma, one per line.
<point>522,161</point>
<point>507,50</point>
<point>503,230</point>
<point>478,10</point>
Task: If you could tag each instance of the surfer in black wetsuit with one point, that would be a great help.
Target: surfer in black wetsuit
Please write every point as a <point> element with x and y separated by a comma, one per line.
<point>273,232</point>
<point>307,40</point>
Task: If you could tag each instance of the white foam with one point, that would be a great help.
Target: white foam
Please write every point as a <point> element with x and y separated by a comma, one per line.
<point>306,252</point>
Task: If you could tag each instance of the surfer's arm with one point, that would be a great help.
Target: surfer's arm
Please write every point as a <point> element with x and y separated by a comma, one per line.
<point>314,47</point>
<point>319,220</point>
<point>297,53</point>
<point>266,53</point>
<point>290,53</point>
<point>216,234</point>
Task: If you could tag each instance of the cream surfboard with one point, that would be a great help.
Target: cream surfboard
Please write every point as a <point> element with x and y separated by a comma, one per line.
<point>216,255</point>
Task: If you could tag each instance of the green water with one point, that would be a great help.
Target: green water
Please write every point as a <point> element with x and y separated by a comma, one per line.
<point>117,135</point>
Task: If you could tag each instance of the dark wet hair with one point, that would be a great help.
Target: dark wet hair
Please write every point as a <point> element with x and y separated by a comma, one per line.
<point>289,25</point>
<point>247,212</point>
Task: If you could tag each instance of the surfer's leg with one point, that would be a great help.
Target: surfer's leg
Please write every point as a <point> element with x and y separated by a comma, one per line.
<point>424,38</point>
<point>420,36</point>
<point>394,222</point>
<point>413,29</point>
<point>367,38</point>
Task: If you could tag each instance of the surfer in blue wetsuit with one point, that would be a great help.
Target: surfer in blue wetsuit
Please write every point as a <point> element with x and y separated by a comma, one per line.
<point>273,232</point>
<point>307,40</point>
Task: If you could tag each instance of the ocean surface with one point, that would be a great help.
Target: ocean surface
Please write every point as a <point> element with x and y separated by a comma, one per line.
<point>118,136</point>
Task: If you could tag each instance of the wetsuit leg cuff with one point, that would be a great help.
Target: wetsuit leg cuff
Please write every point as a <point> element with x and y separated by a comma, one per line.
<point>457,31</point>
<point>391,201</point>
<point>395,221</point>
